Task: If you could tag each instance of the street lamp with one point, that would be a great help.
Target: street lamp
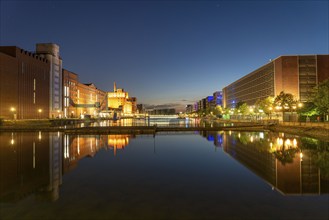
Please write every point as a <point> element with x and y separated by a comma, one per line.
<point>40,111</point>
<point>299,105</point>
<point>13,110</point>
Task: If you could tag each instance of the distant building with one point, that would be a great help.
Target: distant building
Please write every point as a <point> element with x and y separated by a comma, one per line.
<point>218,98</point>
<point>140,108</point>
<point>119,100</point>
<point>210,102</point>
<point>195,107</point>
<point>189,108</point>
<point>297,75</point>
<point>133,101</point>
<point>163,111</point>
<point>24,84</point>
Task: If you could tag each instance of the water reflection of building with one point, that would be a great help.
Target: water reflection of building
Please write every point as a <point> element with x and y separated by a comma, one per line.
<point>214,136</point>
<point>31,163</point>
<point>118,141</point>
<point>276,159</point>
<point>77,147</point>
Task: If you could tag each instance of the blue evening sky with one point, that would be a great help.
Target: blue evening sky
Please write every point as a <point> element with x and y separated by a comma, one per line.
<point>164,52</point>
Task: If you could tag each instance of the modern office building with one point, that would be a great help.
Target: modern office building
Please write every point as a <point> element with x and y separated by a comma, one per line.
<point>218,98</point>
<point>297,75</point>
<point>50,51</point>
<point>24,84</point>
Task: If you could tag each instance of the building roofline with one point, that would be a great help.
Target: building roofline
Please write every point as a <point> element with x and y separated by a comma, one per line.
<point>270,61</point>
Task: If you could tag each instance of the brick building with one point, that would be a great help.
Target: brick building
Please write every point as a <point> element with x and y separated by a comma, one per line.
<point>24,84</point>
<point>79,98</point>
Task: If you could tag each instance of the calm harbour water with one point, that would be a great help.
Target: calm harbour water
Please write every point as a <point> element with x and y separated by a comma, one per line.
<point>210,175</point>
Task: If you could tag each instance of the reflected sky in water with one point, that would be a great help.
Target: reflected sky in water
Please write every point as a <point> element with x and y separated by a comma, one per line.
<point>207,175</point>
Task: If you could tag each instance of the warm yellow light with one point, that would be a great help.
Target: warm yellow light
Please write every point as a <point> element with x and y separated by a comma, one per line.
<point>300,105</point>
<point>39,110</point>
<point>301,155</point>
<point>294,142</point>
<point>287,143</point>
<point>279,141</point>
<point>270,108</point>
<point>12,109</point>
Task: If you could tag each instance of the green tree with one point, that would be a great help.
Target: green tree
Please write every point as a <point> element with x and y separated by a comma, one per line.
<point>285,100</point>
<point>265,104</point>
<point>309,109</point>
<point>218,110</point>
<point>243,109</point>
<point>321,97</point>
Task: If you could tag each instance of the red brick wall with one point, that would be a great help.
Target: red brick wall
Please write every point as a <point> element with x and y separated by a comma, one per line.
<point>323,67</point>
<point>8,85</point>
<point>18,72</point>
<point>286,75</point>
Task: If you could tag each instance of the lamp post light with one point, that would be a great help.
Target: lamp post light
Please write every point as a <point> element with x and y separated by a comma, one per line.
<point>13,110</point>
<point>39,111</point>
<point>299,105</point>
